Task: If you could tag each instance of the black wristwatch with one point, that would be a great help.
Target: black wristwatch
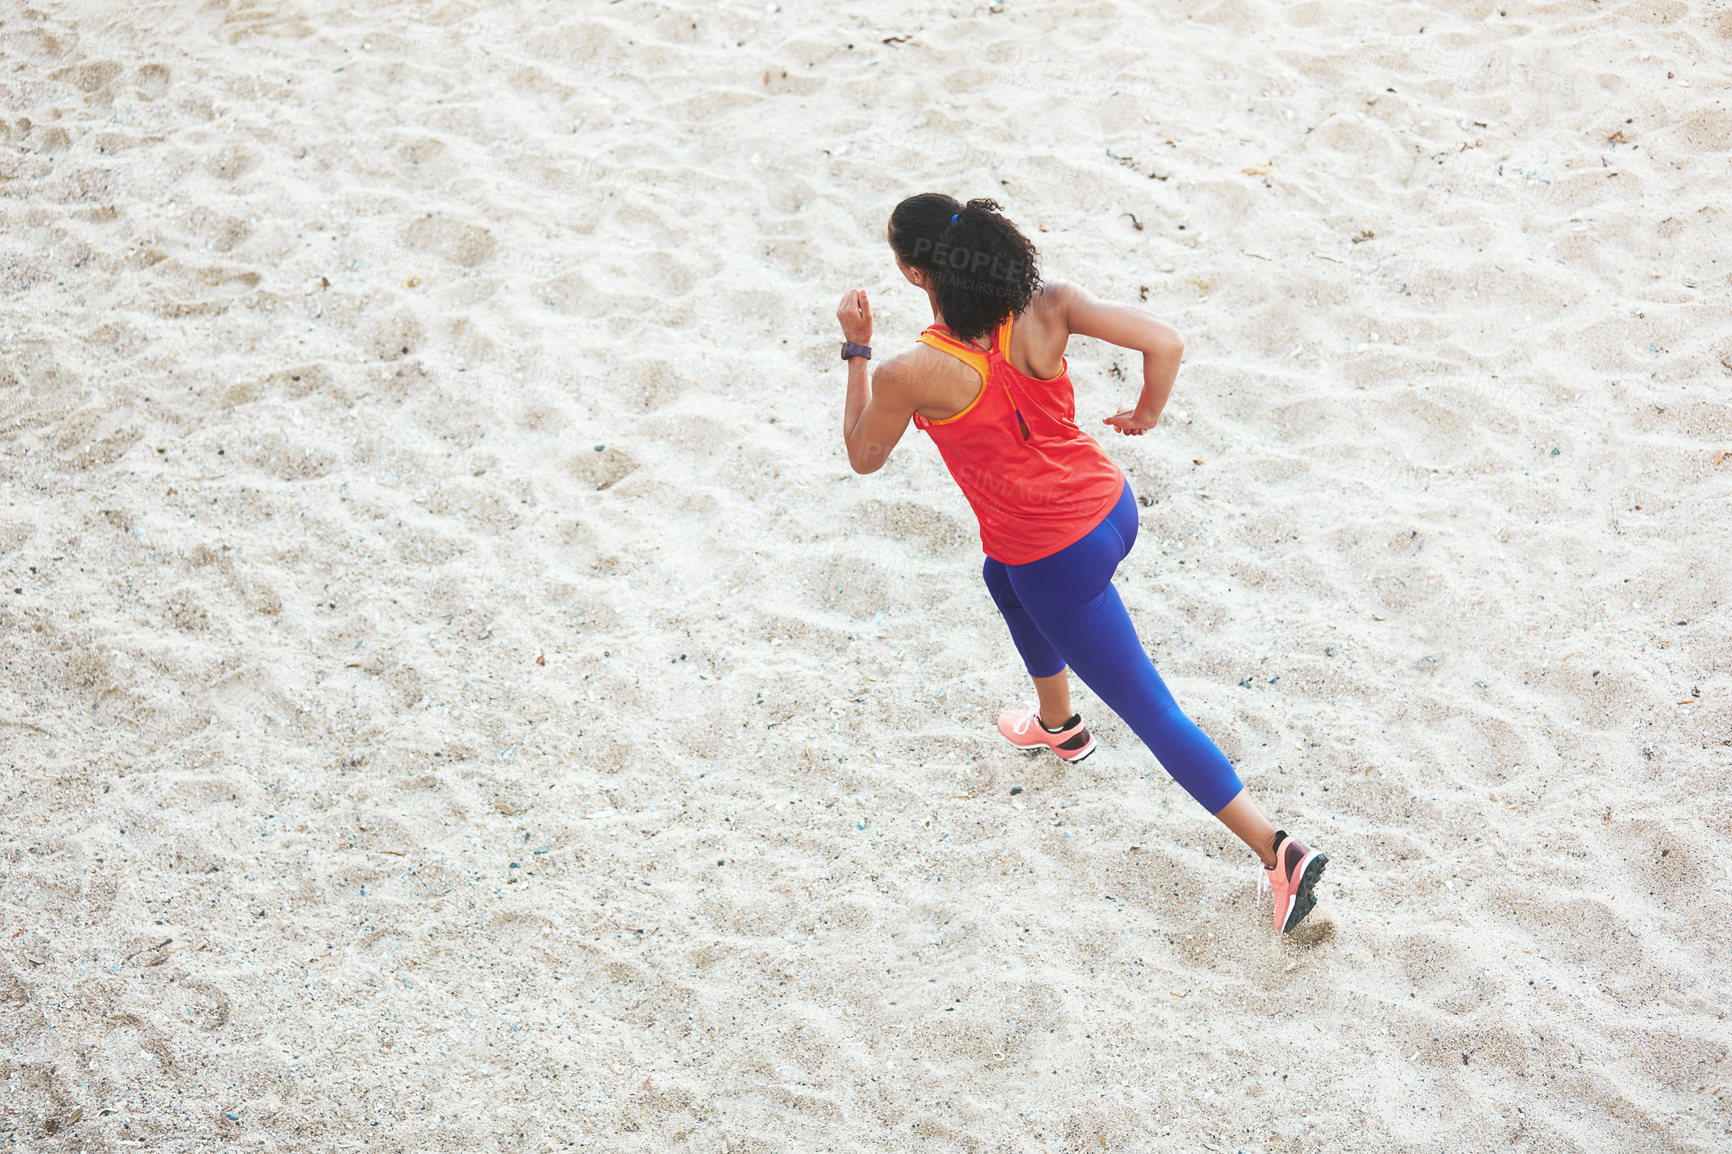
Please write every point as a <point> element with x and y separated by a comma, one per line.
<point>850,349</point>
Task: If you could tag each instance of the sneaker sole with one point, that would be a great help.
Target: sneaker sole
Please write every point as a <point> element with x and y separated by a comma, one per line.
<point>1304,899</point>
<point>1069,756</point>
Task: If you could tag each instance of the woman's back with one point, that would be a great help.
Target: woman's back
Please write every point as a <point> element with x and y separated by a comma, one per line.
<point>1035,480</point>
<point>948,385</point>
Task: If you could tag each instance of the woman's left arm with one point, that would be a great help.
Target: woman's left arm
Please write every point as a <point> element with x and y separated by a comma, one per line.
<point>877,410</point>
<point>1129,328</point>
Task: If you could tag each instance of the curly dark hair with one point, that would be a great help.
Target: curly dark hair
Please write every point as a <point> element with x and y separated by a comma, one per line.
<point>981,268</point>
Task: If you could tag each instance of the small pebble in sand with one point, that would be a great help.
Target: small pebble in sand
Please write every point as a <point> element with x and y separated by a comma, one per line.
<point>1015,789</point>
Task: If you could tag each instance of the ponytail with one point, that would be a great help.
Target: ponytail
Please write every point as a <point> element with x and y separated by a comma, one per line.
<point>981,268</point>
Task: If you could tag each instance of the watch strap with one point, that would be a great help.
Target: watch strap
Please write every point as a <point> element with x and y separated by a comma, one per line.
<point>850,349</point>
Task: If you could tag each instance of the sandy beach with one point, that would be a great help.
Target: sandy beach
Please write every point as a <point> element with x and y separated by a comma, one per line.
<point>455,695</point>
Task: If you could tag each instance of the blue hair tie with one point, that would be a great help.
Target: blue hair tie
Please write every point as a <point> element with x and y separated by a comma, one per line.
<point>953,217</point>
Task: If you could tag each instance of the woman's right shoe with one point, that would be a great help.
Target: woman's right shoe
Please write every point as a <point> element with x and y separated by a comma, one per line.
<point>1023,729</point>
<point>1291,879</point>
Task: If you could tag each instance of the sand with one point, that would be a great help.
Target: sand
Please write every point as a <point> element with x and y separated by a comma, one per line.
<point>454,694</point>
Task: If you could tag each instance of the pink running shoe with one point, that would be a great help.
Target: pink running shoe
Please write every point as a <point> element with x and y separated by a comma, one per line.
<point>1023,729</point>
<point>1290,880</point>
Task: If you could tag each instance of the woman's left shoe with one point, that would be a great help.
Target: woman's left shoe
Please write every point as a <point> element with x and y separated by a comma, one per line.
<point>1023,729</point>
<point>1291,879</point>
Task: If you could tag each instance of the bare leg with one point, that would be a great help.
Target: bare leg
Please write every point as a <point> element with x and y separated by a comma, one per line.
<point>1054,694</point>
<point>1247,822</point>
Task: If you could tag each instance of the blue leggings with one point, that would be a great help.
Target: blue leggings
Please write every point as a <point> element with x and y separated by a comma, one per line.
<point>1063,610</point>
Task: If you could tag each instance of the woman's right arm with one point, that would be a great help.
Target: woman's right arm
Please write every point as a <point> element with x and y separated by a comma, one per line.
<point>877,408</point>
<point>1129,328</point>
<point>876,414</point>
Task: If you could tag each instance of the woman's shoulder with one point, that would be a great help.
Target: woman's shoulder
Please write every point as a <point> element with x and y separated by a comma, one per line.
<point>925,379</point>
<point>912,367</point>
<point>914,359</point>
<point>1047,320</point>
<point>1054,298</point>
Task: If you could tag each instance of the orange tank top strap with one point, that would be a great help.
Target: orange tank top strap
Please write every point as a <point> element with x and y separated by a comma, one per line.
<point>981,361</point>
<point>938,337</point>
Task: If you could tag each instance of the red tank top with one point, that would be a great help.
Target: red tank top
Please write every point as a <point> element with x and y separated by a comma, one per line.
<point>1036,481</point>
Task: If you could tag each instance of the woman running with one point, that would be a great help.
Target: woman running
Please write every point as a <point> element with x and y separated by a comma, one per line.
<point>989,383</point>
